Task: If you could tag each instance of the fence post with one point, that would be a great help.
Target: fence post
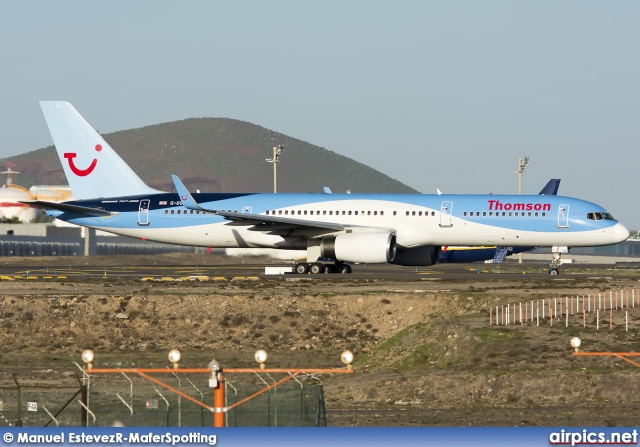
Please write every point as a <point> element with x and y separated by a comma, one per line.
<point>19,421</point>
<point>165,401</point>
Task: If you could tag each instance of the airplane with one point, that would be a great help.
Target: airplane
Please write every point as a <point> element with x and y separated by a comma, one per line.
<point>402,229</point>
<point>465,254</point>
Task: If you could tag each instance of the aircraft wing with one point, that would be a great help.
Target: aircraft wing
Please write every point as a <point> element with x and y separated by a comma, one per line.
<point>61,206</point>
<point>252,219</point>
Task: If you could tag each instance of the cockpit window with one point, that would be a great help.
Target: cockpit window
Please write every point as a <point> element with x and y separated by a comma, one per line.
<point>599,216</point>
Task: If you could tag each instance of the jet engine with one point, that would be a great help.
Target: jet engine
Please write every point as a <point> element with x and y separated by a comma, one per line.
<point>375,247</point>
<point>418,256</point>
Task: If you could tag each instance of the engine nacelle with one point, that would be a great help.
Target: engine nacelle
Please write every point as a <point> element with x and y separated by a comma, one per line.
<point>418,256</point>
<point>375,248</point>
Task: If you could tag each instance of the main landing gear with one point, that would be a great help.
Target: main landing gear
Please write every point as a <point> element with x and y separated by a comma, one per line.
<point>316,268</point>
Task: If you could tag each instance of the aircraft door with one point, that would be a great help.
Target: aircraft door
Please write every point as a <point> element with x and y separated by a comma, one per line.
<point>563,216</point>
<point>445,214</point>
<point>143,213</point>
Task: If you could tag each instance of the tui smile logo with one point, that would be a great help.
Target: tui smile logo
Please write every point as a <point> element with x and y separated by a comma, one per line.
<point>81,172</point>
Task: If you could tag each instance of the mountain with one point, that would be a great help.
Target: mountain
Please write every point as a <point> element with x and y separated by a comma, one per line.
<point>219,155</point>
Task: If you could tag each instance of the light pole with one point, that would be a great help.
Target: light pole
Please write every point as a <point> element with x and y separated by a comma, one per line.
<point>277,150</point>
<point>521,164</point>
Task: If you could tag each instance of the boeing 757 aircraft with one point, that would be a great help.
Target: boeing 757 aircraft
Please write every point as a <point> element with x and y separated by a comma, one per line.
<point>404,229</point>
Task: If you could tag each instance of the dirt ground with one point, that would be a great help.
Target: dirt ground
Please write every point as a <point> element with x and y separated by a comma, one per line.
<point>425,354</point>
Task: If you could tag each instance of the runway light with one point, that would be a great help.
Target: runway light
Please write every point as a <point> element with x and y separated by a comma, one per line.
<point>576,342</point>
<point>87,357</point>
<point>261,357</point>
<point>174,357</point>
<point>347,358</point>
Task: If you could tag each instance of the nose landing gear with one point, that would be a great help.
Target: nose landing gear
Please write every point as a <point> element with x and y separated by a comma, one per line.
<point>556,262</point>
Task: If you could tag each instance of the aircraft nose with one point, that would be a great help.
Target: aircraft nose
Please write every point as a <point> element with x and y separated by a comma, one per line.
<point>620,233</point>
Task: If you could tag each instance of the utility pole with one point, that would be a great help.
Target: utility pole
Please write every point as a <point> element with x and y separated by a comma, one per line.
<point>277,150</point>
<point>521,165</point>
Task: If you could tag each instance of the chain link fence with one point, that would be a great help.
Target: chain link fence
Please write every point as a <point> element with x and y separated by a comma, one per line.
<point>129,400</point>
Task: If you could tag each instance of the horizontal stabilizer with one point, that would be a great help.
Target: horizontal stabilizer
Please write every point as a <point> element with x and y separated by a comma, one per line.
<point>67,208</point>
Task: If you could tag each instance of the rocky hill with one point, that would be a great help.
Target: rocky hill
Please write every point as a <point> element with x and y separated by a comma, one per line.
<point>219,155</point>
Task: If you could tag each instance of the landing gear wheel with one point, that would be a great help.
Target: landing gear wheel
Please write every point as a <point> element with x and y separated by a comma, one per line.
<point>316,268</point>
<point>343,268</point>
<point>554,271</point>
<point>329,269</point>
<point>302,268</point>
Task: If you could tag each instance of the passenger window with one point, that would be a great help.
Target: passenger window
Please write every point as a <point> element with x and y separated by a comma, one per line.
<point>324,212</point>
<point>343,213</point>
<point>280,212</point>
<point>330,213</point>
<point>394,213</point>
<point>356,213</point>
<point>419,213</point>
<point>484,214</point>
<point>349,213</point>
<point>382,213</point>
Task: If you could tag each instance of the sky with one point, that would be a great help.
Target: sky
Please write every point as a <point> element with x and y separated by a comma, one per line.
<point>436,94</point>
